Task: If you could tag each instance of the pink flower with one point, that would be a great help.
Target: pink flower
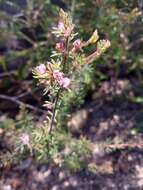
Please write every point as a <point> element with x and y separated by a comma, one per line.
<point>41,69</point>
<point>24,138</point>
<point>77,44</point>
<point>58,76</point>
<point>66,82</point>
<point>67,32</point>
<point>61,26</point>
<point>62,81</point>
<point>60,47</point>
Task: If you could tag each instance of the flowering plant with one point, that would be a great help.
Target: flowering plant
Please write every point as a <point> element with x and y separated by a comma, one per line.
<point>57,76</point>
<point>61,77</point>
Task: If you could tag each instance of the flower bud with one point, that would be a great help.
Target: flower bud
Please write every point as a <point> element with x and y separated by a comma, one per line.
<point>60,47</point>
<point>94,37</point>
<point>102,45</point>
<point>77,44</point>
<point>107,44</point>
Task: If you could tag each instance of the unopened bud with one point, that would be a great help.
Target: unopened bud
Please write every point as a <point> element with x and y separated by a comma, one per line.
<point>60,47</point>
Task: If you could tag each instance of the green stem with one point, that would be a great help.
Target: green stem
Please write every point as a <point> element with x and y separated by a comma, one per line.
<point>54,111</point>
<point>65,56</point>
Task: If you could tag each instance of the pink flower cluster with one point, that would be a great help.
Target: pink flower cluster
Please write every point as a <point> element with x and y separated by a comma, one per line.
<point>62,81</point>
<point>53,75</point>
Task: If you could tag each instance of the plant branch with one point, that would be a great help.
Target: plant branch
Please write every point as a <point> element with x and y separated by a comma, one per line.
<point>65,56</point>
<point>5,74</point>
<point>18,102</point>
<point>26,93</point>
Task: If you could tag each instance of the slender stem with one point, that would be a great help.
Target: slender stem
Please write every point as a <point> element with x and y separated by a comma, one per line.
<point>65,56</point>
<point>54,111</point>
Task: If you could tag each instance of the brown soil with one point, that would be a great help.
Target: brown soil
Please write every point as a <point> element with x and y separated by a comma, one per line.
<point>109,116</point>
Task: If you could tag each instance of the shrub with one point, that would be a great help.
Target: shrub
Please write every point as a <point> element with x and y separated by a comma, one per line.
<point>63,78</point>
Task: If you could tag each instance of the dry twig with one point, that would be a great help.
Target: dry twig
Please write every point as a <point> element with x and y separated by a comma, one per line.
<point>18,102</point>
